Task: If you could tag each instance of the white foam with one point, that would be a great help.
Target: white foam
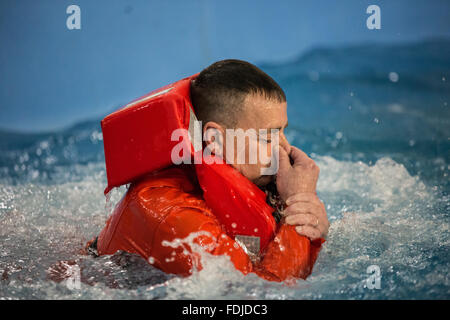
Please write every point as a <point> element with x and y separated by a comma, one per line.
<point>380,214</point>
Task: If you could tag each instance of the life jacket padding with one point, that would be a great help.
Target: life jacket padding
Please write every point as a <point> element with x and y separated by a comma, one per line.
<point>238,203</point>
<point>137,141</point>
<point>137,138</point>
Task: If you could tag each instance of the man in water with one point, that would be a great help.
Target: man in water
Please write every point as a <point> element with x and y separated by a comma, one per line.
<point>229,94</point>
<point>233,94</point>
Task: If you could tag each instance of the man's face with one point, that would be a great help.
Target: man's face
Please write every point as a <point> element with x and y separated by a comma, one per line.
<point>259,113</point>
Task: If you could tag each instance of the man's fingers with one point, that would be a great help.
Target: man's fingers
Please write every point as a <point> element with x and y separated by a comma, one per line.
<point>308,214</point>
<point>298,155</point>
<point>302,207</point>
<point>284,163</point>
<point>302,219</point>
<point>304,197</point>
<point>301,159</point>
<point>308,231</point>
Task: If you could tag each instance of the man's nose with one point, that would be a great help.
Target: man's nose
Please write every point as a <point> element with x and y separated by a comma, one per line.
<point>284,143</point>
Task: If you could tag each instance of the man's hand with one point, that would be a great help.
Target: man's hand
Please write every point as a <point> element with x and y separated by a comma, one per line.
<point>296,184</point>
<point>300,177</point>
<point>307,212</point>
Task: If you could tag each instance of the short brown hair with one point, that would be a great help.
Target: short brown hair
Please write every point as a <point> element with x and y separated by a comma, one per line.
<point>219,90</point>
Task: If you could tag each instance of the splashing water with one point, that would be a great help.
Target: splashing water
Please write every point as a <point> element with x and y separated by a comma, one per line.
<point>380,215</point>
<point>385,186</point>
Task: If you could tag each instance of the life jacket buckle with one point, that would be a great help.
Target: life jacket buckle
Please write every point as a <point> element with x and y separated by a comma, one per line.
<point>251,246</point>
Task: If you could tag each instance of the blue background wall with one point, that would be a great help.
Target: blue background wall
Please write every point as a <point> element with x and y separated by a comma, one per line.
<point>52,77</point>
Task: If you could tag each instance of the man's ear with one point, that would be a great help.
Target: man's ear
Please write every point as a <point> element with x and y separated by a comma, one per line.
<point>213,136</point>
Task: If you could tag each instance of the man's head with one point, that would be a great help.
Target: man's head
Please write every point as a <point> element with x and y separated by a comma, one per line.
<point>234,94</point>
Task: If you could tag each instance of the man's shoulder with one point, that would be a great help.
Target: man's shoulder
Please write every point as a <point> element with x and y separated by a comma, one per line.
<point>169,188</point>
<point>180,177</point>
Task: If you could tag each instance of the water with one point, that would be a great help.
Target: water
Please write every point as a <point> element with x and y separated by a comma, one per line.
<point>375,119</point>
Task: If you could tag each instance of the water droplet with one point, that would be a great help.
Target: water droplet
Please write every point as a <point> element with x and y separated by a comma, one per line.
<point>393,76</point>
<point>313,75</point>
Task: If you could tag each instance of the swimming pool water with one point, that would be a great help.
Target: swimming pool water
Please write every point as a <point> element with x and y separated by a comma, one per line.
<point>383,149</point>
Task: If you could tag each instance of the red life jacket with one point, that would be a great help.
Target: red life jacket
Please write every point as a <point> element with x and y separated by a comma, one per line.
<point>138,140</point>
